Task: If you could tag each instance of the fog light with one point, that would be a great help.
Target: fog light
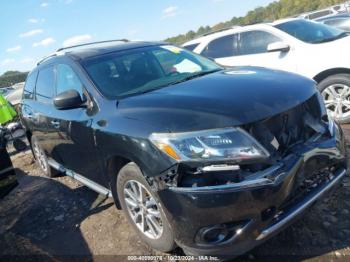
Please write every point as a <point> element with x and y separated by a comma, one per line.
<point>221,233</point>
<point>214,234</point>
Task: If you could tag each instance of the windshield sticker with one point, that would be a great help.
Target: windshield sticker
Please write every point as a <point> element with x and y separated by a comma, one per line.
<point>172,49</point>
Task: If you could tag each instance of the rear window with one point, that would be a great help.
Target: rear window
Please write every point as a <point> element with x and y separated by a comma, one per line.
<point>28,91</point>
<point>191,47</point>
<point>222,47</point>
<point>45,85</point>
<point>320,14</point>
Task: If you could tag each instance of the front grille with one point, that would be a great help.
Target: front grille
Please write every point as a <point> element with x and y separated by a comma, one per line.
<point>280,132</point>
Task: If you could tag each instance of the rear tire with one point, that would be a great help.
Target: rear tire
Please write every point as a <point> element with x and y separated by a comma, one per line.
<point>143,206</point>
<point>41,159</point>
<point>335,90</point>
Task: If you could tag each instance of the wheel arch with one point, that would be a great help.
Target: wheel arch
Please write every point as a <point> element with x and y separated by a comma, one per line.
<point>329,72</point>
<point>114,165</point>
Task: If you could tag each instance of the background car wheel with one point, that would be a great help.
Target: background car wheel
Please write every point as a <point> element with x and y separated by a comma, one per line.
<point>143,210</point>
<point>336,93</point>
<point>41,159</point>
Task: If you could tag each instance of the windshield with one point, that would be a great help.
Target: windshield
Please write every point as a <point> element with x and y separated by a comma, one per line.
<point>138,71</point>
<point>311,32</point>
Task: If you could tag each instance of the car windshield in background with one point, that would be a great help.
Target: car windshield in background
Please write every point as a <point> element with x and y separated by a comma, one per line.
<point>139,71</point>
<point>311,32</point>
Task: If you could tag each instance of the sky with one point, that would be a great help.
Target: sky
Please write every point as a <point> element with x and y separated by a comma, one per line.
<point>33,29</point>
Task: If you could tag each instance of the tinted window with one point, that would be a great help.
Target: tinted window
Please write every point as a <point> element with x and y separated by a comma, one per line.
<point>28,91</point>
<point>67,79</point>
<point>222,47</point>
<point>45,85</point>
<point>320,14</point>
<point>138,71</point>
<point>310,32</point>
<point>335,22</point>
<point>191,47</point>
<point>255,42</point>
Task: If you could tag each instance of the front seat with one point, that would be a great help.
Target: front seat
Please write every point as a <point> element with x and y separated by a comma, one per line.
<point>140,72</point>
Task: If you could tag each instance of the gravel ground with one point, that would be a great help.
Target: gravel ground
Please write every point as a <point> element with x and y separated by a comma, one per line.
<point>57,219</point>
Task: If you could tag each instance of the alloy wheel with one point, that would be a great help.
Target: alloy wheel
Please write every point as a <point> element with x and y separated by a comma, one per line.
<point>337,100</point>
<point>143,209</point>
<point>40,157</point>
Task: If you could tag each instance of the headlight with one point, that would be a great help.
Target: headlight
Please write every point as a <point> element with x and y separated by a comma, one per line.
<point>218,144</point>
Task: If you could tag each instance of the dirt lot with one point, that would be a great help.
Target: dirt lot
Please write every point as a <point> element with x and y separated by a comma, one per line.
<point>59,219</point>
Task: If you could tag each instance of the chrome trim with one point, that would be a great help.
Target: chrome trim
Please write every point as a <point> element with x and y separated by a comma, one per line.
<point>85,181</point>
<point>267,232</point>
<point>214,168</point>
<point>255,181</point>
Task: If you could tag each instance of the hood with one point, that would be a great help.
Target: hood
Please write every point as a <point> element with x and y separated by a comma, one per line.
<point>227,98</point>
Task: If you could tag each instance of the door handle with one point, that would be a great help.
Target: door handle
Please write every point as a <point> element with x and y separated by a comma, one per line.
<point>55,123</point>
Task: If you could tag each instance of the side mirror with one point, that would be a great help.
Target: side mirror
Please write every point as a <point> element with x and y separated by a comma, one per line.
<point>68,100</point>
<point>278,47</point>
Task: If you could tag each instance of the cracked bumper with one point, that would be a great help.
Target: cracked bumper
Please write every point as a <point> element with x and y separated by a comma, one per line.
<point>189,210</point>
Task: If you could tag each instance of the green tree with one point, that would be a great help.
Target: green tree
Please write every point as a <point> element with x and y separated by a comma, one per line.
<point>275,10</point>
<point>10,78</point>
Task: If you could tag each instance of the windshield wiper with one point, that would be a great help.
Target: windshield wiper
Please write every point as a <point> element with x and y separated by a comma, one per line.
<point>341,35</point>
<point>194,76</point>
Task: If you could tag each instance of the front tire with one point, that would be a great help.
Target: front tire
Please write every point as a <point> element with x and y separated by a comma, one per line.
<point>41,159</point>
<point>336,94</point>
<point>143,210</point>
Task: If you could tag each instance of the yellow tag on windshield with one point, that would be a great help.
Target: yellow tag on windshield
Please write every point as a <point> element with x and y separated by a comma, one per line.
<point>172,49</point>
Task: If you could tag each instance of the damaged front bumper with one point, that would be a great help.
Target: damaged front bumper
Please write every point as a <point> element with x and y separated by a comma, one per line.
<point>230,219</point>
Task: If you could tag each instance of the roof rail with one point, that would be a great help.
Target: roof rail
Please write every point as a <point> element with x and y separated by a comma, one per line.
<point>220,30</point>
<point>73,46</point>
<point>45,58</point>
<point>92,43</point>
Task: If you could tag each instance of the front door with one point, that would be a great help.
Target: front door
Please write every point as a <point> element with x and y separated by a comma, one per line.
<point>252,51</point>
<point>76,149</point>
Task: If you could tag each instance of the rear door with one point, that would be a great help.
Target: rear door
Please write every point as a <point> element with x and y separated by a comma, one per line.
<point>42,109</point>
<point>26,106</point>
<point>222,49</point>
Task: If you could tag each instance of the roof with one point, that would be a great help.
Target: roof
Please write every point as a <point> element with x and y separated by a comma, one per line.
<point>95,50</point>
<point>99,48</point>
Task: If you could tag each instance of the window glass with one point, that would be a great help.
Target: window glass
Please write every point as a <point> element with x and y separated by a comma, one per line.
<point>311,32</point>
<point>28,91</point>
<point>138,71</point>
<point>45,85</point>
<point>171,64</point>
<point>320,14</point>
<point>191,47</point>
<point>221,47</point>
<point>255,42</point>
<point>67,79</point>
<point>335,22</point>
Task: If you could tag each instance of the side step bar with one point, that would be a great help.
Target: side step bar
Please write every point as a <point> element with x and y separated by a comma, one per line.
<point>85,181</point>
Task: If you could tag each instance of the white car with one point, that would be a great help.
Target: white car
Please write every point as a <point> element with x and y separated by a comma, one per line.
<point>15,97</point>
<point>333,10</point>
<point>311,49</point>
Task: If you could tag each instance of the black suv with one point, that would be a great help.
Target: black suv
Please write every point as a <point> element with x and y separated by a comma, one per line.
<point>210,159</point>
